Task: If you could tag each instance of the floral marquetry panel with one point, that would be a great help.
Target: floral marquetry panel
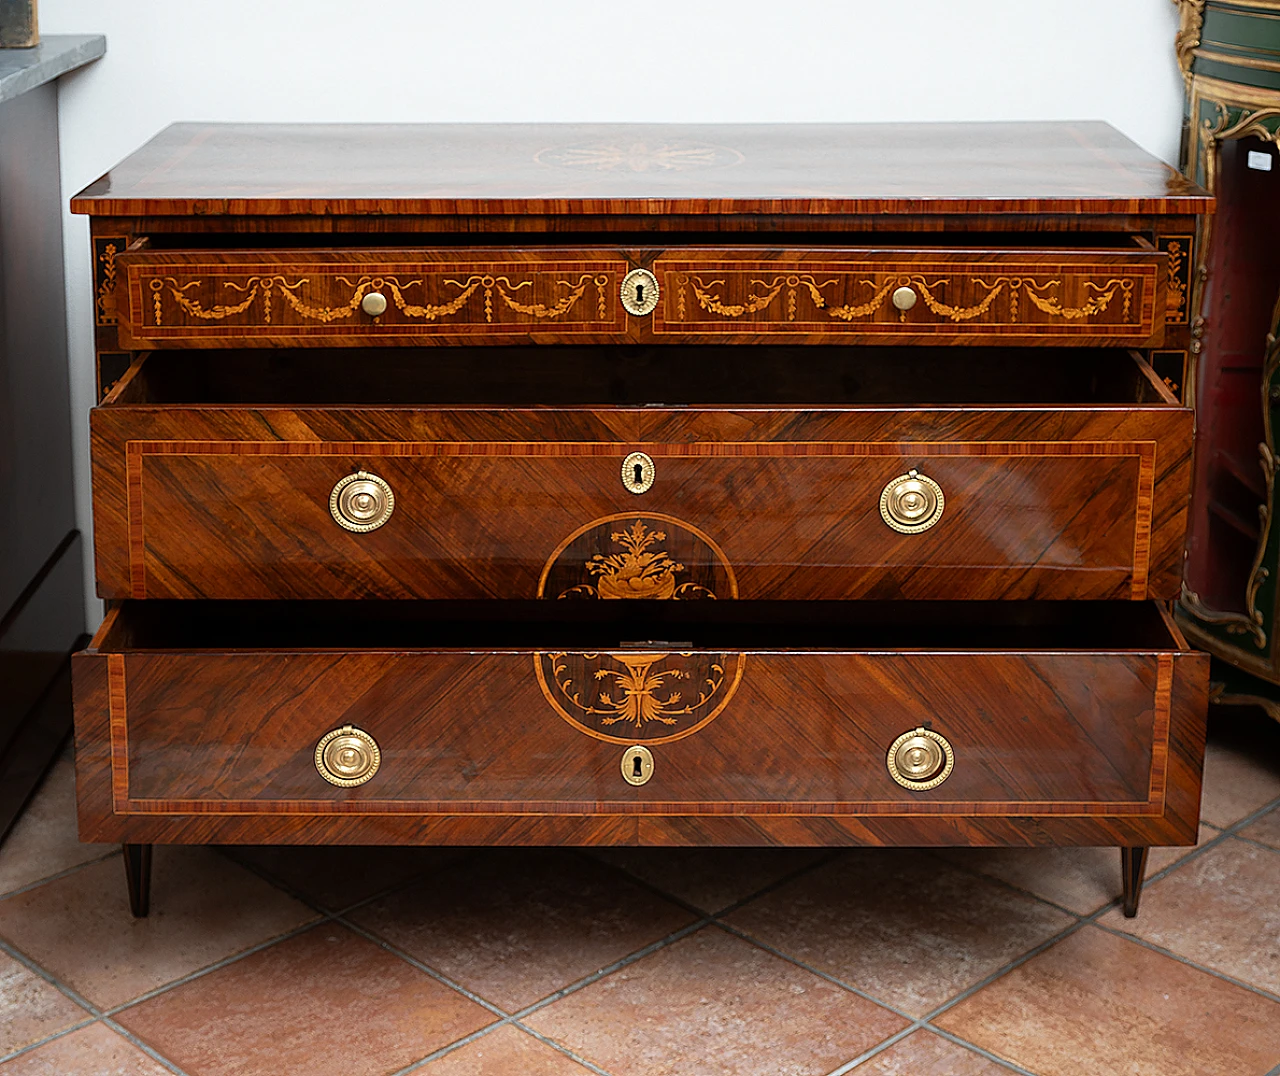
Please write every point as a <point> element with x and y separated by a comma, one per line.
<point>629,557</point>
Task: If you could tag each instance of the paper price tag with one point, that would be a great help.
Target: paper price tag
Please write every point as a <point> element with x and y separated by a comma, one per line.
<point>1260,161</point>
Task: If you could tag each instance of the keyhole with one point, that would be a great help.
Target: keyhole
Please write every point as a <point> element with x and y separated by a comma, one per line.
<point>639,295</point>
<point>639,479</point>
<point>637,769</point>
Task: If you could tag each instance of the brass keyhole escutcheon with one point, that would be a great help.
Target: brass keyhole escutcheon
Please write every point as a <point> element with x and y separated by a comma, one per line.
<point>912,503</point>
<point>638,473</point>
<point>920,759</point>
<point>639,292</point>
<point>637,765</point>
<point>361,502</point>
<point>347,756</point>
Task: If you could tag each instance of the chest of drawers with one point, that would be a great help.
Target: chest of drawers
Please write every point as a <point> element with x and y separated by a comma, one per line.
<point>580,485</point>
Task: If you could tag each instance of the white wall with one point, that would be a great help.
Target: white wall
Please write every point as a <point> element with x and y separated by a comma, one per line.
<point>634,60</point>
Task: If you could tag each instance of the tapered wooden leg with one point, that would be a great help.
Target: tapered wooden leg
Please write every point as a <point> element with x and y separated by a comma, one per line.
<point>1133,868</point>
<point>137,871</point>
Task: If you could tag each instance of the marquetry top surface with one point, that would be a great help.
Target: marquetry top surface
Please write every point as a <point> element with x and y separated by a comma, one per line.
<point>506,169</point>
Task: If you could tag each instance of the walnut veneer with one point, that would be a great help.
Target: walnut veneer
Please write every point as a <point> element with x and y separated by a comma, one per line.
<point>896,460</point>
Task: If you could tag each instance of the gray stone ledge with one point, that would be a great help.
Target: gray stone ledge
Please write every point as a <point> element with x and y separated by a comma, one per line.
<point>25,69</point>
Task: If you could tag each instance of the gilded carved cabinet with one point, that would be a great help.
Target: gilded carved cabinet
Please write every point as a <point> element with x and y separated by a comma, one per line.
<point>1230,605</point>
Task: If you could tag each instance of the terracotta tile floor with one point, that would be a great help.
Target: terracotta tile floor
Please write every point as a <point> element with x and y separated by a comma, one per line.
<point>652,962</point>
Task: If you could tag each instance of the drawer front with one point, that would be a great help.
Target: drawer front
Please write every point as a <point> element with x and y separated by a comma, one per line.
<point>362,297</point>
<point>1029,740</point>
<point>976,297</point>
<point>193,503</point>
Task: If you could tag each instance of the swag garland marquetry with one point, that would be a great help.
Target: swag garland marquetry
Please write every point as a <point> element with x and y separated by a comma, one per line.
<point>1100,296</point>
<point>266,287</point>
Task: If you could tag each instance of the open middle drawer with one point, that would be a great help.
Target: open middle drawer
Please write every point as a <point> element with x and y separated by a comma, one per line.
<point>397,474</point>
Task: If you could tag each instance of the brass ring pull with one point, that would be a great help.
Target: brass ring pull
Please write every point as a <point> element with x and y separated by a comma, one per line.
<point>347,756</point>
<point>912,503</point>
<point>920,760</point>
<point>361,502</point>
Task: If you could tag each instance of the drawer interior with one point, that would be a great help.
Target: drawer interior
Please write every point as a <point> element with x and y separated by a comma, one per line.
<point>405,244</point>
<point>672,375</point>
<point>708,625</point>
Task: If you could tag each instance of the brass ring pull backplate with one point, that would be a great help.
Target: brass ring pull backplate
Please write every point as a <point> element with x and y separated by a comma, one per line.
<point>912,503</point>
<point>920,759</point>
<point>638,473</point>
<point>361,502</point>
<point>639,292</point>
<point>347,756</point>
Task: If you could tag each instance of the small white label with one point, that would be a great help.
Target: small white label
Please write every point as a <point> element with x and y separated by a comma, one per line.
<point>1260,161</point>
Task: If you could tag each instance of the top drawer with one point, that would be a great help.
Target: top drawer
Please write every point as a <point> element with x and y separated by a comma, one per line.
<point>238,298</point>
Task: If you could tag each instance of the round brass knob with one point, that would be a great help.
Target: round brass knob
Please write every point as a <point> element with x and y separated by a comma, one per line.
<point>912,503</point>
<point>904,298</point>
<point>347,756</point>
<point>361,502</point>
<point>920,760</point>
<point>374,303</point>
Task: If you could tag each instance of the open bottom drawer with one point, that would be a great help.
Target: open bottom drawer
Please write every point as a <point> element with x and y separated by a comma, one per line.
<point>707,723</point>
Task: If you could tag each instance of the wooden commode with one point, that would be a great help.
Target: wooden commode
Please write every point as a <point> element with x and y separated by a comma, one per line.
<point>803,485</point>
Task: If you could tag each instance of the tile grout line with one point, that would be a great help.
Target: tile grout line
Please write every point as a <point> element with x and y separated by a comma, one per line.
<point>450,1047</point>
<point>831,855</point>
<point>217,965</point>
<point>515,1018</point>
<point>1254,842</point>
<point>975,873</point>
<point>952,1037</point>
<point>591,1065</point>
<point>48,1039</point>
<point>422,966</point>
<point>31,965</point>
<point>1190,963</point>
<point>878,1048</point>
<point>150,1051</point>
<point>813,970</point>
<point>1223,833</point>
<point>617,965</point>
<point>98,1016</point>
<point>58,875</point>
<point>1014,964</point>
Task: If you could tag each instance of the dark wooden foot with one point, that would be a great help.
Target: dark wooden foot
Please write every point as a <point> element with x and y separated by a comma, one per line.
<point>137,871</point>
<point>1133,868</point>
